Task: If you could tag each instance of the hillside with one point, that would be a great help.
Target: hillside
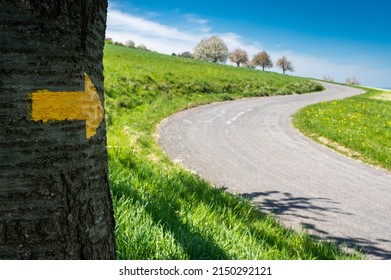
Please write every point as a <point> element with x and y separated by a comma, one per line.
<point>134,76</point>
<point>163,211</point>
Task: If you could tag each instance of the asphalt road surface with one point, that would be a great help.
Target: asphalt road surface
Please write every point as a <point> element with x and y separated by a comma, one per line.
<point>250,148</point>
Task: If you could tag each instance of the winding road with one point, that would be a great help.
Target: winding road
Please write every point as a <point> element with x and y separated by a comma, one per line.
<point>250,148</point>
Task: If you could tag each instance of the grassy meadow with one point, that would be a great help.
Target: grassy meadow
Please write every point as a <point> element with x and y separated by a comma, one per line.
<point>359,127</point>
<point>161,210</point>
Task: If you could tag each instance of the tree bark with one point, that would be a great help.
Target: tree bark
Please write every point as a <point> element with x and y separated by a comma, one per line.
<point>55,200</point>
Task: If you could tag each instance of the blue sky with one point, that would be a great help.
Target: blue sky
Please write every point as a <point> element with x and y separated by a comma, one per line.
<point>332,38</point>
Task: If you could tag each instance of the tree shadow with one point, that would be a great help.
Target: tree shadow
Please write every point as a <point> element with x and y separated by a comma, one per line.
<point>283,203</point>
<point>313,209</point>
<point>371,248</point>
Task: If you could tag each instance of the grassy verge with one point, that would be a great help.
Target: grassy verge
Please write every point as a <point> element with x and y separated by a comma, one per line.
<point>359,126</point>
<point>163,211</point>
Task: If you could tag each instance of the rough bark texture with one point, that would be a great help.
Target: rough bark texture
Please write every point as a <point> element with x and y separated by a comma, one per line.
<point>54,194</point>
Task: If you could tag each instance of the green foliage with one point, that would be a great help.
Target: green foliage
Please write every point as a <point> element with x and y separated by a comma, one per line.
<point>163,211</point>
<point>362,124</point>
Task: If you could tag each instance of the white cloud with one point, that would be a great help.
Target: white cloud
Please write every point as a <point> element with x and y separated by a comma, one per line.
<point>168,39</point>
<point>128,24</point>
<point>156,36</point>
<point>233,41</point>
<point>198,24</point>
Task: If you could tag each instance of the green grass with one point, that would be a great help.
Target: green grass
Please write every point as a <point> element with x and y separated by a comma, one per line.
<point>359,126</point>
<point>163,211</point>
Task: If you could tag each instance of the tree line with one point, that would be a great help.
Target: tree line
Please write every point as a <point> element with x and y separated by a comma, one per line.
<point>214,49</point>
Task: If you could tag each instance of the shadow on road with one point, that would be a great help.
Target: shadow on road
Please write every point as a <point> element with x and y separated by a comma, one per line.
<point>286,206</point>
<point>370,248</point>
<point>285,203</point>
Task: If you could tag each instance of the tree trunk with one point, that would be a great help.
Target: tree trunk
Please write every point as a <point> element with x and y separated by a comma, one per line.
<point>55,200</point>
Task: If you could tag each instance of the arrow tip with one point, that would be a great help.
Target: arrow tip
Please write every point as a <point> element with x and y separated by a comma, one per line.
<point>94,111</point>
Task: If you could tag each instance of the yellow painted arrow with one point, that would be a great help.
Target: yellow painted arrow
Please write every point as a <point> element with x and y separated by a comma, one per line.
<point>72,106</point>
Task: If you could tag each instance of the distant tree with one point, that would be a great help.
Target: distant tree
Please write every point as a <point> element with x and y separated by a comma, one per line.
<point>119,44</point>
<point>328,79</point>
<point>262,59</point>
<point>130,44</point>
<point>211,49</point>
<point>285,65</point>
<point>238,56</point>
<point>142,47</point>
<point>109,40</point>
<point>186,54</point>
<point>352,81</point>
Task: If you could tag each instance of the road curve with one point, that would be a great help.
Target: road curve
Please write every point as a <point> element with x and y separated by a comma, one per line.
<point>250,148</point>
